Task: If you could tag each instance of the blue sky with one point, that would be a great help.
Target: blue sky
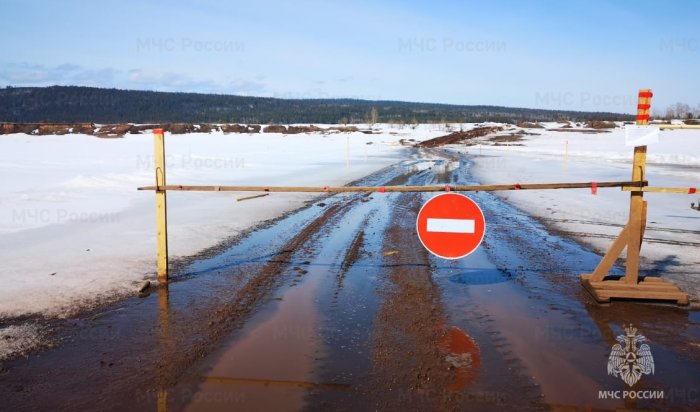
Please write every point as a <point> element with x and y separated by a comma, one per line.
<point>575,55</point>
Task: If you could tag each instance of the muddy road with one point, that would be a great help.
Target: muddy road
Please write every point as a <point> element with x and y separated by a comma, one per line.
<point>338,307</point>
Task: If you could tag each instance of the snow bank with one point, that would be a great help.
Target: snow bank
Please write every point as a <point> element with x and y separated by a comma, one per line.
<point>673,232</point>
<point>76,232</point>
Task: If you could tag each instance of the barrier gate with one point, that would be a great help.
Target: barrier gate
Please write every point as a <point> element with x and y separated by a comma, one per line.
<point>601,285</point>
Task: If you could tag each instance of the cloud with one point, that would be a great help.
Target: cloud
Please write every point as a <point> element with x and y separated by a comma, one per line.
<point>25,74</point>
<point>28,74</point>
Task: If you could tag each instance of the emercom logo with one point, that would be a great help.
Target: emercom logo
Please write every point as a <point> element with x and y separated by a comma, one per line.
<point>631,357</point>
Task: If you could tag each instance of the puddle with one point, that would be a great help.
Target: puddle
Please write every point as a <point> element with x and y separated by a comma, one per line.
<point>480,277</point>
<point>544,322</point>
<point>272,362</point>
<point>273,359</point>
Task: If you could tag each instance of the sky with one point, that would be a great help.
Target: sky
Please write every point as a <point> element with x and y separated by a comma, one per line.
<point>591,55</point>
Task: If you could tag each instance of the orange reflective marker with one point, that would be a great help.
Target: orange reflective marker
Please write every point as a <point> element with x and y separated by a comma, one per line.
<point>451,225</point>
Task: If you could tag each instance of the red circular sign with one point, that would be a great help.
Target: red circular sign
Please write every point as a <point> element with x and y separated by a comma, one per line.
<point>451,225</point>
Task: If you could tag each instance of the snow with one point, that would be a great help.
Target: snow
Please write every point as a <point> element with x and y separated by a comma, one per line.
<point>19,340</point>
<point>673,231</point>
<point>76,232</point>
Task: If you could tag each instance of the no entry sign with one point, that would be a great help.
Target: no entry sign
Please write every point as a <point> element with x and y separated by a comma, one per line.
<point>451,225</point>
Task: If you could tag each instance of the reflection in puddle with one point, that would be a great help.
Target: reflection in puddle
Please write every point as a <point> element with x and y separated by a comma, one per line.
<point>268,383</point>
<point>272,363</point>
<point>479,277</point>
<point>463,356</point>
<point>165,341</point>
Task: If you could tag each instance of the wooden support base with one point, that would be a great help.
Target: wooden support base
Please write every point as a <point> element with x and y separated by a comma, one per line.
<point>600,283</point>
<point>648,288</point>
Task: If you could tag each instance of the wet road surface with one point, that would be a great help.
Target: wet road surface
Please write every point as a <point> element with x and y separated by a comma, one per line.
<point>338,306</point>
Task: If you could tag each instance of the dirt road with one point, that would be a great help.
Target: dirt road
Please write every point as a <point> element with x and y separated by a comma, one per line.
<point>337,306</point>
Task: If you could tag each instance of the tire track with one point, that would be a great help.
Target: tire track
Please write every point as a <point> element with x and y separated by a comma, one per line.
<point>409,369</point>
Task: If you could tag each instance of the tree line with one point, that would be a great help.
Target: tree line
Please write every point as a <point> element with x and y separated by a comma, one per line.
<point>678,111</point>
<point>68,104</point>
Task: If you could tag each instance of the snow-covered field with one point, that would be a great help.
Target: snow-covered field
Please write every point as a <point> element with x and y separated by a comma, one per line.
<point>75,231</point>
<point>673,231</point>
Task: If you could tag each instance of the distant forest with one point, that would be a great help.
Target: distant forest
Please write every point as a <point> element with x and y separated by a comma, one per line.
<point>70,104</point>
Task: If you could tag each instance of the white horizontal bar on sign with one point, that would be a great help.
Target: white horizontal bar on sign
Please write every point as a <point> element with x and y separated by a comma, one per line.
<point>451,225</point>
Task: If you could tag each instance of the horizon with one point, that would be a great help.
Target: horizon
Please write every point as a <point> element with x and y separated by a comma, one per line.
<point>576,56</point>
<point>314,98</point>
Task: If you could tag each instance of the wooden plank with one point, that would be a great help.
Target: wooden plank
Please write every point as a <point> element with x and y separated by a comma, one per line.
<point>677,126</point>
<point>161,206</point>
<point>639,164</point>
<point>643,223</point>
<point>633,242</point>
<point>651,286</point>
<point>600,299</point>
<point>652,189</point>
<point>240,199</point>
<point>652,279</point>
<point>611,256</point>
<point>636,214</point>
<point>456,188</point>
<point>639,294</point>
<point>679,297</point>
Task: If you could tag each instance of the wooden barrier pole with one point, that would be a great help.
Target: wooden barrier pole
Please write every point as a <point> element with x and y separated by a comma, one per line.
<point>678,126</point>
<point>161,206</point>
<point>370,189</point>
<point>637,203</point>
<point>649,189</point>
